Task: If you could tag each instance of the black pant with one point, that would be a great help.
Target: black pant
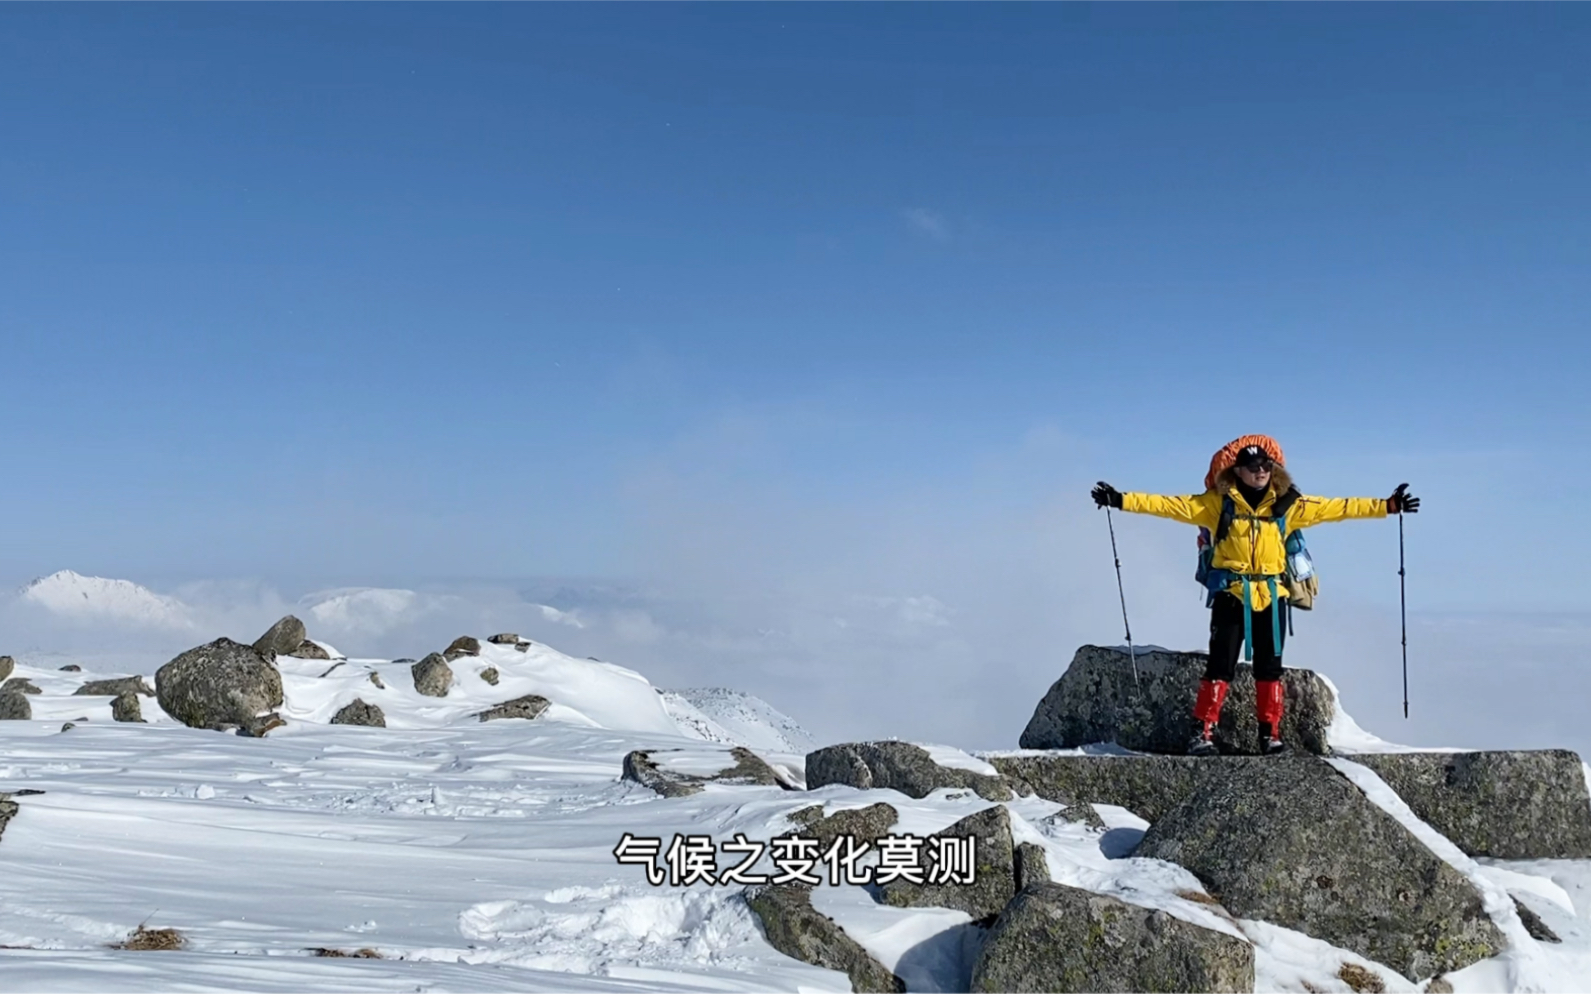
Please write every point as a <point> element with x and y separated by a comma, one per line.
<point>1226,638</point>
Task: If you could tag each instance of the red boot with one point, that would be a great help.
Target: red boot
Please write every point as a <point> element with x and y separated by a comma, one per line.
<point>1268,698</point>
<point>1207,711</point>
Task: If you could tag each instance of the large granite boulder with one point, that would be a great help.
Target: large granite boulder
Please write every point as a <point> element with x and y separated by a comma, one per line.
<point>651,768</point>
<point>993,877</point>
<point>15,707</point>
<point>222,685</point>
<point>1097,700</point>
<point>1057,938</point>
<point>1293,842</point>
<point>527,707</point>
<point>898,766</point>
<point>115,687</point>
<point>1524,804</point>
<point>1148,786</point>
<point>281,639</point>
<point>464,645</point>
<point>432,675</point>
<point>797,929</point>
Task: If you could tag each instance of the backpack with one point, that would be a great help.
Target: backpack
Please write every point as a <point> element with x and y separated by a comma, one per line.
<point>1302,582</point>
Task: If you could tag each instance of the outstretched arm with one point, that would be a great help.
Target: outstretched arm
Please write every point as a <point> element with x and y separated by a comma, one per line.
<point>1323,510</point>
<point>1192,510</point>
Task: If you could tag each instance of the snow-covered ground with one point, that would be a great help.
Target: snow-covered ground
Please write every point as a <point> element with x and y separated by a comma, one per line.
<point>479,856</point>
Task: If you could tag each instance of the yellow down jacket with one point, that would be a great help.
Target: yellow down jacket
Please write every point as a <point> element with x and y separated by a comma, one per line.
<point>1254,546</point>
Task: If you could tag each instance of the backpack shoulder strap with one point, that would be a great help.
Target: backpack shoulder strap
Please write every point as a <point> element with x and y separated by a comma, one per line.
<point>1224,523</point>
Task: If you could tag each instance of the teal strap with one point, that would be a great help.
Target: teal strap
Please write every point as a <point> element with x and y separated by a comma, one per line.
<point>1276,620</point>
<point>1248,625</point>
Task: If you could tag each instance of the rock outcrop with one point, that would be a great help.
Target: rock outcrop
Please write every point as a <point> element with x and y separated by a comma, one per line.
<point>863,824</point>
<point>7,664</point>
<point>127,708</point>
<point>741,767</point>
<point>1032,866</point>
<point>221,685</point>
<point>1524,804</point>
<point>994,869</point>
<point>360,713</point>
<point>432,675</point>
<point>490,675</point>
<point>281,639</point>
<point>505,638</point>
<point>898,766</point>
<point>1148,786</point>
<point>1293,842</point>
<point>310,650</point>
<point>8,811</point>
<point>464,645</point>
<point>15,707</point>
<point>19,685</point>
<point>1057,938</point>
<point>1098,700</point>
<point>116,687</point>
<point>801,932</point>
<point>529,706</point>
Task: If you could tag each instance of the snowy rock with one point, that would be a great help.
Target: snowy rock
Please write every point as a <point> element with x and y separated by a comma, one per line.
<point>1148,786</point>
<point>281,639</point>
<point>71,668</point>
<point>1293,842</point>
<point>863,824</point>
<point>505,638</point>
<point>994,877</point>
<point>1097,700</point>
<point>464,645</point>
<point>1526,804</point>
<point>360,713</point>
<point>1057,938</point>
<point>15,707</point>
<point>800,931</point>
<point>7,664</point>
<point>529,706</point>
<point>19,685</point>
<point>8,811</point>
<point>126,708</point>
<point>432,675</point>
<point>660,770</point>
<point>1031,866</point>
<point>219,685</point>
<point>115,687</point>
<point>490,675</point>
<point>310,650</point>
<point>900,766</point>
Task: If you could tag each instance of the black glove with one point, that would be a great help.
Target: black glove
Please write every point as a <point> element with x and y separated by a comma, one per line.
<point>1401,502</point>
<point>1105,495</point>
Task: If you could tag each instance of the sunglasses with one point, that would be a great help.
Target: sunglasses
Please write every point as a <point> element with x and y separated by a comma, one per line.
<point>1256,465</point>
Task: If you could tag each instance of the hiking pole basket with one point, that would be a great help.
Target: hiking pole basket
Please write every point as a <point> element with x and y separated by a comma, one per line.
<point>1122,593</point>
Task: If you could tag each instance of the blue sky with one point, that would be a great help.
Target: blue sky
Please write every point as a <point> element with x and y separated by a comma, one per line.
<point>773,297</point>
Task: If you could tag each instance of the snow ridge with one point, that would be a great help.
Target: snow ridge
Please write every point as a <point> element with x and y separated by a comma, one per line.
<point>95,598</point>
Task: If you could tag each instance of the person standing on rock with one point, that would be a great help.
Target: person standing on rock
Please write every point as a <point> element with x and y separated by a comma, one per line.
<point>1250,508</point>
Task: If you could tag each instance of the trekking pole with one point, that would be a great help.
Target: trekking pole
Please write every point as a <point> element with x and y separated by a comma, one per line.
<point>1122,593</point>
<point>1403,616</point>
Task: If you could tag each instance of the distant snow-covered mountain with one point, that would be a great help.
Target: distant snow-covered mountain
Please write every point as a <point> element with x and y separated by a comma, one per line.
<point>718,714</point>
<point>94,598</point>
